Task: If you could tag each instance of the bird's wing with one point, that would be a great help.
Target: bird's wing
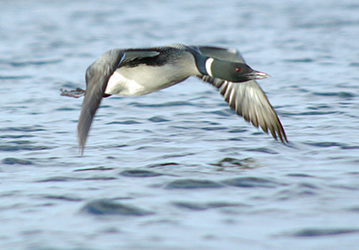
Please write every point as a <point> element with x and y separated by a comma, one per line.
<point>249,101</point>
<point>224,54</point>
<point>133,55</point>
<point>246,98</point>
<point>97,76</point>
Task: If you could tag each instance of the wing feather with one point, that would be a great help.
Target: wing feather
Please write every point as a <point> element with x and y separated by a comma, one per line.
<point>97,76</point>
<point>250,102</point>
<point>246,98</point>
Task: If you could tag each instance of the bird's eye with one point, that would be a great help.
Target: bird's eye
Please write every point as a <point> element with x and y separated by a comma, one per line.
<point>238,70</point>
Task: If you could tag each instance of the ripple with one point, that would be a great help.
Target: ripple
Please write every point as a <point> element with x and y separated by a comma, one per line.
<point>100,178</point>
<point>65,109</point>
<point>262,150</point>
<point>21,142</point>
<point>233,162</point>
<point>300,175</point>
<point>109,207</point>
<point>139,173</point>
<point>127,122</point>
<point>300,60</point>
<point>354,209</point>
<point>320,106</point>
<point>324,144</point>
<point>193,184</point>
<point>165,104</point>
<point>66,178</point>
<point>315,232</point>
<point>354,64</point>
<point>22,147</point>
<point>237,130</point>
<point>176,155</point>
<point>204,206</point>
<point>213,128</point>
<point>59,179</point>
<point>336,94</point>
<point>101,168</point>
<point>159,165</point>
<point>36,63</point>
<point>318,113</point>
<point>251,182</point>
<point>158,119</point>
<point>224,113</point>
<point>349,147</point>
<point>13,161</point>
<point>15,77</point>
<point>23,129</point>
<point>62,197</point>
<point>298,190</point>
<point>16,136</point>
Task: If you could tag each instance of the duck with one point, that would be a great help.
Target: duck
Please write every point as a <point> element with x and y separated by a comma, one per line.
<point>140,71</point>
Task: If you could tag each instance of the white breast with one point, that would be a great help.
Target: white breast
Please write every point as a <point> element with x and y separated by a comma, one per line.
<point>120,85</point>
<point>144,79</point>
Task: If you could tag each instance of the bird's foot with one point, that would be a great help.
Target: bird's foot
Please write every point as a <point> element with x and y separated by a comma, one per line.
<point>76,93</point>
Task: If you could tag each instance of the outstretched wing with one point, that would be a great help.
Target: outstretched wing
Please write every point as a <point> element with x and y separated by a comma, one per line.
<point>246,98</point>
<point>249,101</point>
<point>97,76</point>
<point>224,54</point>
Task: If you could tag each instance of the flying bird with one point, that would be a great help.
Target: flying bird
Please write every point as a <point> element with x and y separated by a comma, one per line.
<point>136,72</point>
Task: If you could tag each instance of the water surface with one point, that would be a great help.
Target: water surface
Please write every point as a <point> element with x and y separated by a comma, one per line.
<point>177,169</point>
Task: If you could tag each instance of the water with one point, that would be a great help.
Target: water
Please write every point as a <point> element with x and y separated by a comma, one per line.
<point>177,169</point>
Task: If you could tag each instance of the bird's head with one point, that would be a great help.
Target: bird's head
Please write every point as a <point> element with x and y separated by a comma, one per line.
<point>232,71</point>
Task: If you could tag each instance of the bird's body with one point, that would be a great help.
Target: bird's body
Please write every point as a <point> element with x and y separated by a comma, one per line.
<point>135,72</point>
<point>152,74</point>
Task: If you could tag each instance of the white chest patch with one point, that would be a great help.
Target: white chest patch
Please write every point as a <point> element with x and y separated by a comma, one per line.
<point>120,85</point>
<point>143,79</point>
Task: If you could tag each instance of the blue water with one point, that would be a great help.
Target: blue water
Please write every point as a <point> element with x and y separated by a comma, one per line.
<point>177,169</point>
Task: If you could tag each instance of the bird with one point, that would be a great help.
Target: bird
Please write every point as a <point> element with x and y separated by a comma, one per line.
<point>140,71</point>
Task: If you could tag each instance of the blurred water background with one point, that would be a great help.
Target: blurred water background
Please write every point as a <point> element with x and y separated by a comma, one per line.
<point>177,169</point>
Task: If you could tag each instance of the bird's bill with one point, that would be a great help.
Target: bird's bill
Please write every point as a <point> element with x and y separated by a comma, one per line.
<point>255,75</point>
